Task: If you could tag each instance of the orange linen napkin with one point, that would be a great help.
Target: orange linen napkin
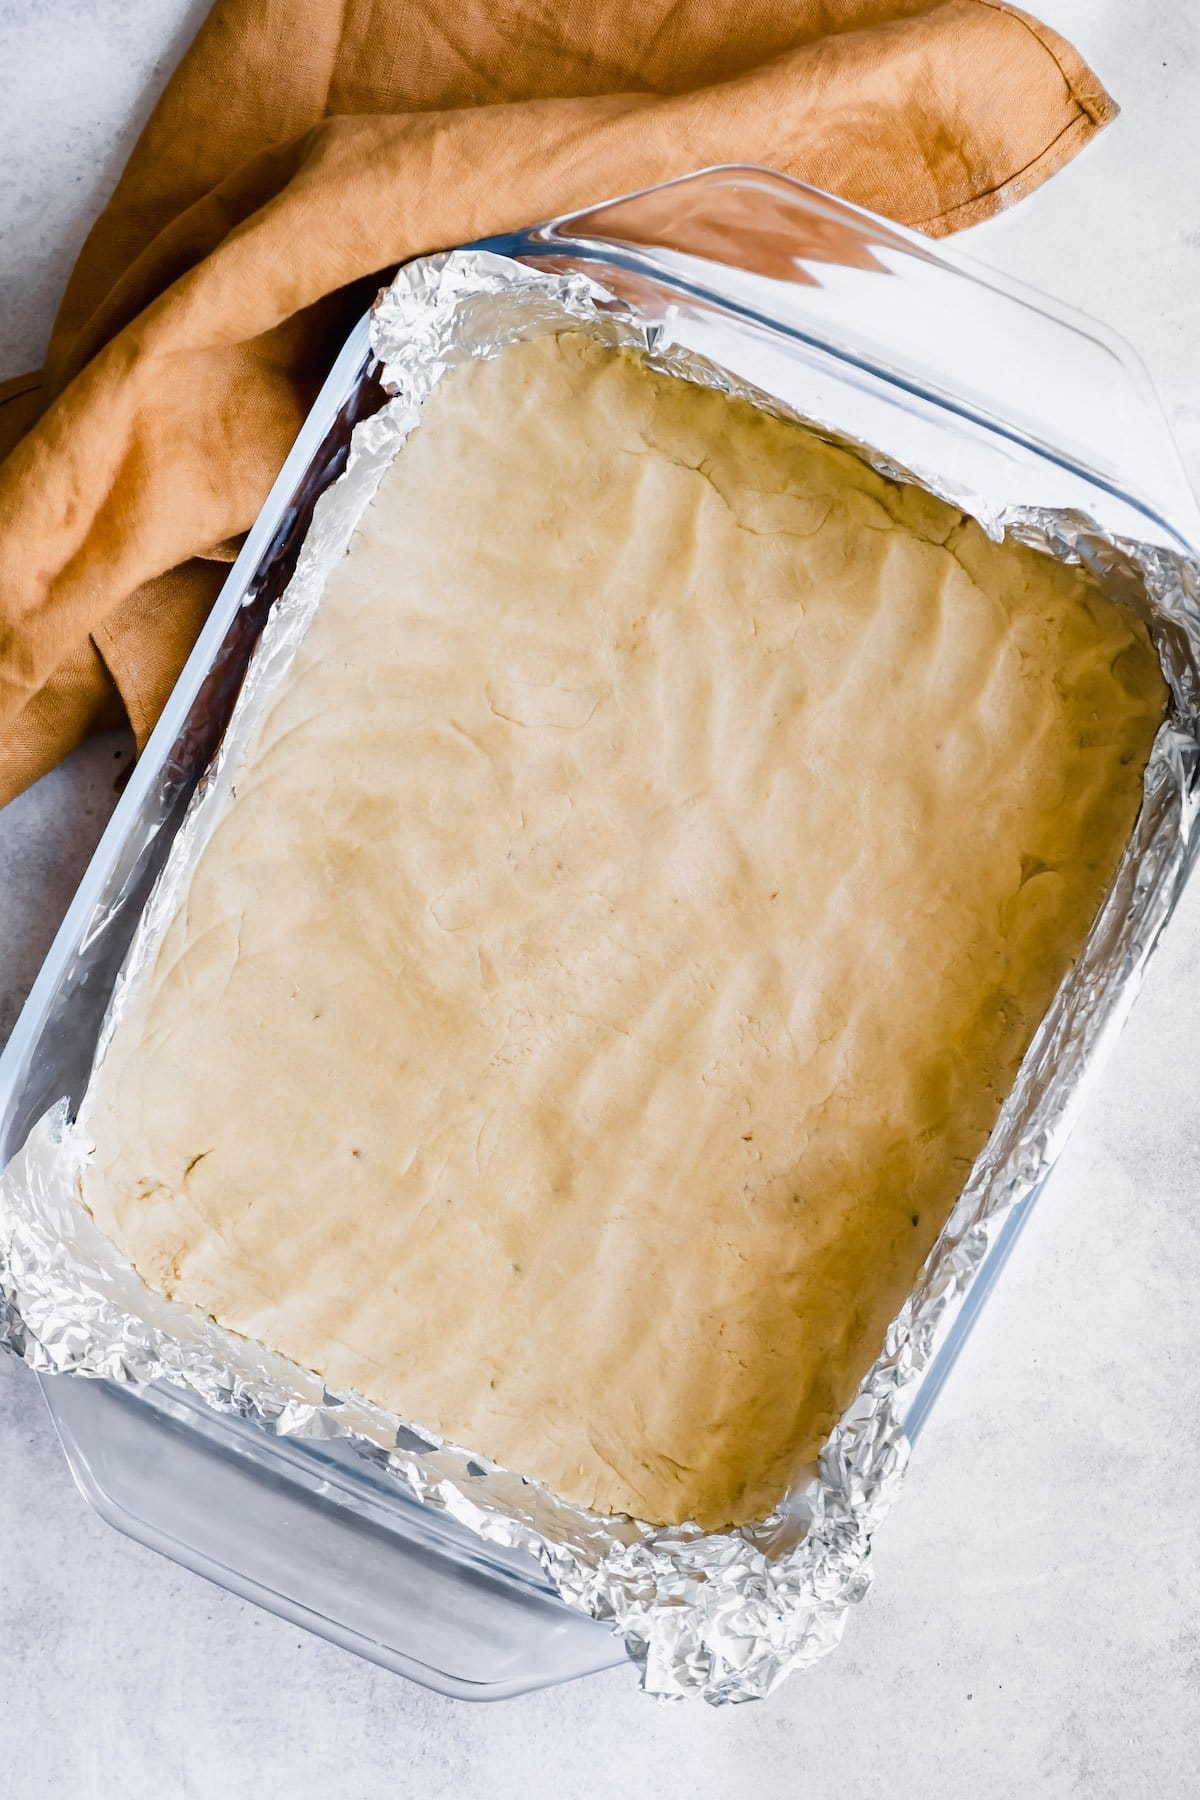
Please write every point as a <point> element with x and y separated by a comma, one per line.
<point>305,144</point>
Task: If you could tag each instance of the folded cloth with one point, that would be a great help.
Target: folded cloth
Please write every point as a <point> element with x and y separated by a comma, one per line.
<point>303,146</point>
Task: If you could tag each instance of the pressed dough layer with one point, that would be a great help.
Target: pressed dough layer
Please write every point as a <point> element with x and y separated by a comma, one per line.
<point>627,926</point>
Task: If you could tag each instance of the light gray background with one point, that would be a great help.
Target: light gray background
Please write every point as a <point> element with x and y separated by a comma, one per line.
<point>1033,1626</point>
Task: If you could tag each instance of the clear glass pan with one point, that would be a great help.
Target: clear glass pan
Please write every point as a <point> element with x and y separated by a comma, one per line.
<point>855,323</point>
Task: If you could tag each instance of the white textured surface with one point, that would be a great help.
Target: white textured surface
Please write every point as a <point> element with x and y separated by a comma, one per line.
<point>1033,1626</point>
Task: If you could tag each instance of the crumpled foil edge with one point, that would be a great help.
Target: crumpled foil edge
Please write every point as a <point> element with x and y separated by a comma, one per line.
<point>724,1615</point>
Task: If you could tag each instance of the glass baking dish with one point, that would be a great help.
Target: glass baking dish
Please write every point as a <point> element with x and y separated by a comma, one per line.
<point>855,323</point>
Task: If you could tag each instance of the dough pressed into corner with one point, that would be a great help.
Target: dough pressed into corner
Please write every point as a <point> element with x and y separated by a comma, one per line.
<point>631,916</point>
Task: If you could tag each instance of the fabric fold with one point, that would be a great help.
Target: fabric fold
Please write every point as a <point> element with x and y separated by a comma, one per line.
<point>301,149</point>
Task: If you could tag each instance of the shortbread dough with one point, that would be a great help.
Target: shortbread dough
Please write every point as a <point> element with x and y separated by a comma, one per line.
<point>628,923</point>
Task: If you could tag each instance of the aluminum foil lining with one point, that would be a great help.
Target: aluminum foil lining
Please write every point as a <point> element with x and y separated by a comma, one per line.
<point>724,1615</point>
